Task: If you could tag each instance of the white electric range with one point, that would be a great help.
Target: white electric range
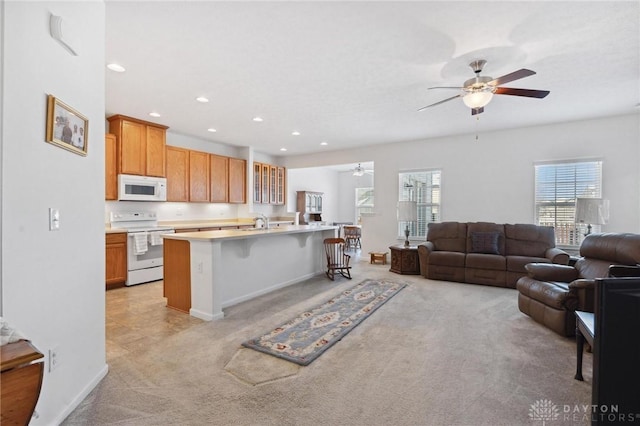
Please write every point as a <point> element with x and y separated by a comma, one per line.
<point>144,244</point>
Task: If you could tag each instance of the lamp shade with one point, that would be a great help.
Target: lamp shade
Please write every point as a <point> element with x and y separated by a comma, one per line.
<point>477,99</point>
<point>592,211</point>
<point>407,211</point>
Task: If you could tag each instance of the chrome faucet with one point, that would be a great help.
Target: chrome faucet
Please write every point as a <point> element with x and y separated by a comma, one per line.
<point>263,218</point>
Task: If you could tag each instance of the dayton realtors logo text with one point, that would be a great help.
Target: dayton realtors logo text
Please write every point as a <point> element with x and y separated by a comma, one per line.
<point>545,411</point>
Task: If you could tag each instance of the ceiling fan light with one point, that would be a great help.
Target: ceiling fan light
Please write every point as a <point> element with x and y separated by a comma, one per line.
<point>477,99</point>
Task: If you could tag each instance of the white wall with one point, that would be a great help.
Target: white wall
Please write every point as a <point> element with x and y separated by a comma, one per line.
<point>53,282</point>
<point>319,179</point>
<point>347,184</point>
<point>492,178</point>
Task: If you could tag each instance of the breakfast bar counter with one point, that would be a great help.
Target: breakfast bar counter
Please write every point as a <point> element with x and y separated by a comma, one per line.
<point>207,271</point>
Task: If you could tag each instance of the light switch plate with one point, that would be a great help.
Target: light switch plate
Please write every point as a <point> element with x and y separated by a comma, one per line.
<point>54,219</point>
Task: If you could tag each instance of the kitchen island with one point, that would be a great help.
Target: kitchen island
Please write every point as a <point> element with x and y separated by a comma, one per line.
<point>205,272</point>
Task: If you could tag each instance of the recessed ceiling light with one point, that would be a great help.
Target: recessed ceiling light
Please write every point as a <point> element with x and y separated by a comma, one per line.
<point>258,119</point>
<point>154,114</point>
<point>116,67</point>
<point>211,129</point>
<point>202,99</point>
<point>324,143</point>
<point>283,149</point>
<point>295,133</point>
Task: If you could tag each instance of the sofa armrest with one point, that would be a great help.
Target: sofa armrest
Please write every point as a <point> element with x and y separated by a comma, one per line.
<point>551,272</point>
<point>558,256</point>
<point>584,290</point>
<point>424,250</point>
<point>427,247</point>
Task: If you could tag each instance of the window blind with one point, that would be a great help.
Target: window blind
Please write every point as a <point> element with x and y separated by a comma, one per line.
<point>556,188</point>
<point>424,188</point>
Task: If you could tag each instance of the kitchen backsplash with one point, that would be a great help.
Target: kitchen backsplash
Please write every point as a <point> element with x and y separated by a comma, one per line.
<point>191,211</point>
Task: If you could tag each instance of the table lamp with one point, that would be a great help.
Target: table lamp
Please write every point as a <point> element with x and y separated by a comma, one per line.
<point>592,211</point>
<point>407,212</point>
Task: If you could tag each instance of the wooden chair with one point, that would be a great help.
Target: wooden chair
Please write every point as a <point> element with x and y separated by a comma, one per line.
<point>352,235</point>
<point>337,259</point>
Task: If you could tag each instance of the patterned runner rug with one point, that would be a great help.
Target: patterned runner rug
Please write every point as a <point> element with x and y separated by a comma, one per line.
<point>307,336</point>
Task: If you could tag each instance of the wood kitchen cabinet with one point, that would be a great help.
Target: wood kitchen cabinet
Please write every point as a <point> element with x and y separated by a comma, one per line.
<point>219,175</point>
<point>199,176</point>
<point>110,168</point>
<point>116,259</point>
<point>268,184</point>
<point>140,146</point>
<point>281,188</point>
<point>177,174</point>
<point>237,181</point>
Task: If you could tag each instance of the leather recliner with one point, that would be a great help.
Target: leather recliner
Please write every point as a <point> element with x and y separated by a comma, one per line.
<point>551,293</point>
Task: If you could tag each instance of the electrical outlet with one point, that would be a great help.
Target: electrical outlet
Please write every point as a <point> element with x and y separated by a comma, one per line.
<point>54,358</point>
<point>199,267</point>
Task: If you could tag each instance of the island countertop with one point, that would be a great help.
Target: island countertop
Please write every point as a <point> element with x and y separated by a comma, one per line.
<point>207,271</point>
<point>236,234</point>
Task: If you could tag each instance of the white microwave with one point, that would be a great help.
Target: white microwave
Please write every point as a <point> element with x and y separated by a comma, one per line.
<point>142,188</point>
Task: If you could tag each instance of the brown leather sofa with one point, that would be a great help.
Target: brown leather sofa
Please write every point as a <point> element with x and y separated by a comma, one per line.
<point>551,293</point>
<point>486,253</point>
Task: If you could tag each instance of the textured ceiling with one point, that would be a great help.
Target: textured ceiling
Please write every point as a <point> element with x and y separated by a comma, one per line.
<point>354,73</point>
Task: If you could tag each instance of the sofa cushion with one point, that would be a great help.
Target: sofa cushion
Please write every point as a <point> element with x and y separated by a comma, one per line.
<point>615,248</point>
<point>528,240</point>
<point>484,242</point>
<point>486,261</point>
<point>448,236</point>
<point>592,268</point>
<point>517,263</point>
<point>447,258</point>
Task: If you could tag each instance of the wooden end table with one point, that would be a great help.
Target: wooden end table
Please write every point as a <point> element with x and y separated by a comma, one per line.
<point>378,256</point>
<point>405,260</point>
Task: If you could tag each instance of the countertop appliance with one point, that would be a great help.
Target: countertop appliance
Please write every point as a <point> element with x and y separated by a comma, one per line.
<point>144,244</point>
<point>141,188</point>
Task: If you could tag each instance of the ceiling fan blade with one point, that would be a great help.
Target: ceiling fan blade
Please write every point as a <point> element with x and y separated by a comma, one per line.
<point>476,111</point>
<point>441,102</point>
<point>529,93</point>
<point>516,75</point>
<point>446,87</point>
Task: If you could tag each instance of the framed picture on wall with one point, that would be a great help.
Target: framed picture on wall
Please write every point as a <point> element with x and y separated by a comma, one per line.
<point>66,127</point>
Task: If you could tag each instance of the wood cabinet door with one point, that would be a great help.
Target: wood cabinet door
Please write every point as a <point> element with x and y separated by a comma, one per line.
<point>132,148</point>
<point>155,151</point>
<point>219,178</point>
<point>273,177</point>
<point>257,179</point>
<point>111,177</point>
<point>264,183</point>
<point>177,174</point>
<point>115,259</point>
<point>281,186</point>
<point>198,176</point>
<point>237,180</point>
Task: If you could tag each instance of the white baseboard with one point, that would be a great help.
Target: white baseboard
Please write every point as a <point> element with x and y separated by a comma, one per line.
<point>82,395</point>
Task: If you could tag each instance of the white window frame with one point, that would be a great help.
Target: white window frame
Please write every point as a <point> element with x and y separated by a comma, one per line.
<point>427,192</point>
<point>364,201</point>
<point>557,185</point>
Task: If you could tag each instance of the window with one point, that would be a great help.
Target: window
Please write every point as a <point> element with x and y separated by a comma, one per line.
<point>364,202</point>
<point>424,188</point>
<point>557,187</point>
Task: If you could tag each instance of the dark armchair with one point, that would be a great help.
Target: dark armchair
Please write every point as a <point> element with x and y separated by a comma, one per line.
<point>550,294</point>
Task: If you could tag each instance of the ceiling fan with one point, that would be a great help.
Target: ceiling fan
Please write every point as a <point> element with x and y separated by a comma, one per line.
<point>360,171</point>
<point>477,92</point>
